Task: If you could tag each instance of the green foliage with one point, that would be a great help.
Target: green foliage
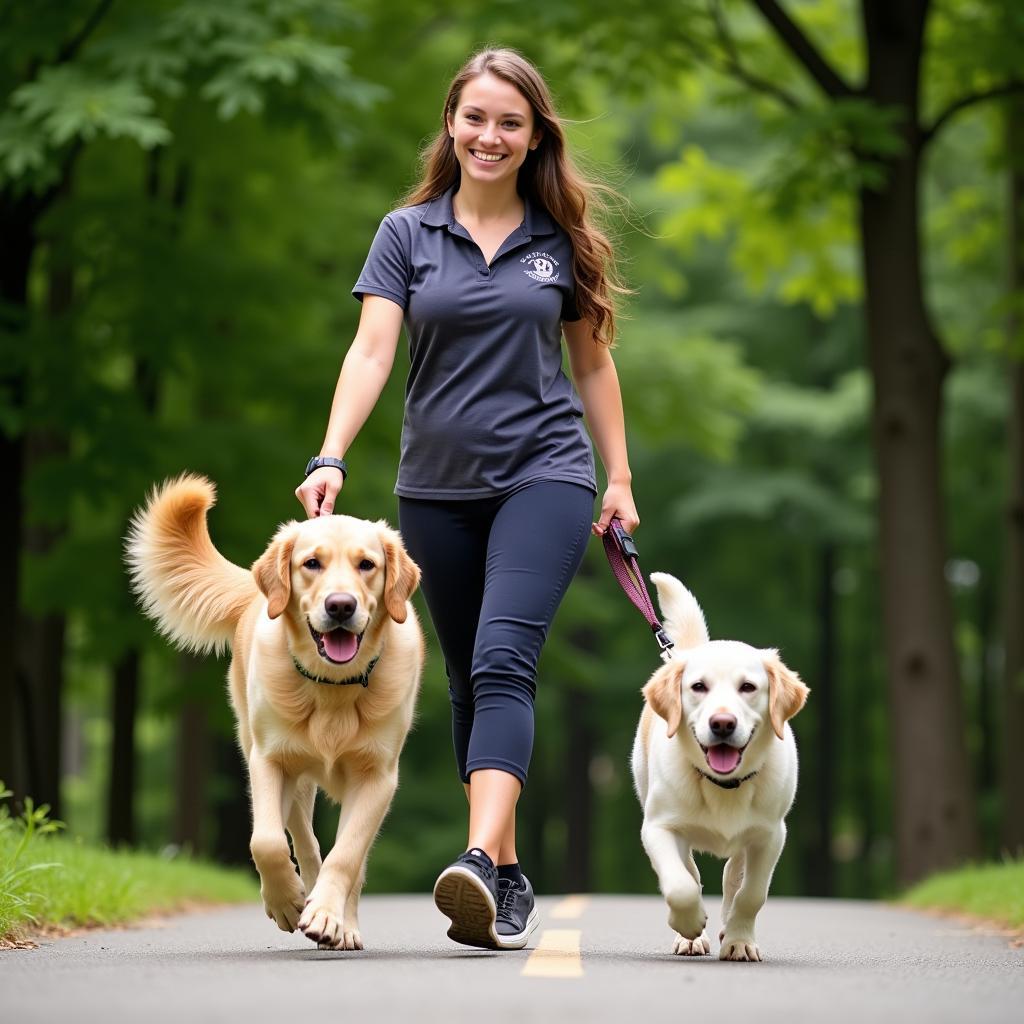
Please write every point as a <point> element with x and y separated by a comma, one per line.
<point>20,866</point>
<point>66,103</point>
<point>805,259</point>
<point>46,880</point>
<point>139,64</point>
<point>991,891</point>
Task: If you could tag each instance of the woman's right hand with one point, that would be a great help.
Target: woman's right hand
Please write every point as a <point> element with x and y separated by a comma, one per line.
<point>318,491</point>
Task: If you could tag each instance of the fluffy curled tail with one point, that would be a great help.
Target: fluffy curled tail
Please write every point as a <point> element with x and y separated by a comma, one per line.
<point>681,615</point>
<point>192,592</point>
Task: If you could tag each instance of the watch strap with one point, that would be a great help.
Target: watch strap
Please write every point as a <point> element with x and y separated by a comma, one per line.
<point>319,461</point>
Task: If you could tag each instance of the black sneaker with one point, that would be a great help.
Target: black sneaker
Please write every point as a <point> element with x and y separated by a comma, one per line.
<point>467,892</point>
<point>517,913</point>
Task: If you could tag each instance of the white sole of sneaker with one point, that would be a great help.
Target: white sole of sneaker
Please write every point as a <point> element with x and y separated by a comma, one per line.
<point>522,938</point>
<point>466,901</point>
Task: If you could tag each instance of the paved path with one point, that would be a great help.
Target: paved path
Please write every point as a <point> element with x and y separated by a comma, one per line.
<point>827,961</point>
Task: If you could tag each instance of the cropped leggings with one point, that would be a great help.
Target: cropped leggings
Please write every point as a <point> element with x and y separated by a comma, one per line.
<point>494,571</point>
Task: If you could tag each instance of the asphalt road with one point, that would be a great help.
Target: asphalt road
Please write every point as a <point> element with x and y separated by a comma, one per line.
<point>829,961</point>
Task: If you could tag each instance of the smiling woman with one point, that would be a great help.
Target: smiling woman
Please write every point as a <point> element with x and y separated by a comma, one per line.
<point>491,261</point>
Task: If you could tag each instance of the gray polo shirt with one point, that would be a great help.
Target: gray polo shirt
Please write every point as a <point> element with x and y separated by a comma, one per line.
<point>487,406</point>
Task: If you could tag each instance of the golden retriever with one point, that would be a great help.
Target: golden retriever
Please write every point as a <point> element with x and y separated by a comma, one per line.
<point>715,768</point>
<point>326,661</point>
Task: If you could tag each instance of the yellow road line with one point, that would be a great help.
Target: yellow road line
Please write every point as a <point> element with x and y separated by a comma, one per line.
<point>570,907</point>
<point>557,956</point>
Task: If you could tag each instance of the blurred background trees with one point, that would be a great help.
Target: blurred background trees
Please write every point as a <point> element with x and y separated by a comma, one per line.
<point>821,370</point>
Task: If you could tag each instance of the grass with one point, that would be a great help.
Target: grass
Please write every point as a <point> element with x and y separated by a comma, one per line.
<point>991,891</point>
<point>53,881</point>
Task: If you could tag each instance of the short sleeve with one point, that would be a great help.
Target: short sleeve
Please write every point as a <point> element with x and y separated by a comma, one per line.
<point>570,312</point>
<point>387,270</point>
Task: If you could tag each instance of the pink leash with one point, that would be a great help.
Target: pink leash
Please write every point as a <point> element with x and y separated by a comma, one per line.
<point>623,557</point>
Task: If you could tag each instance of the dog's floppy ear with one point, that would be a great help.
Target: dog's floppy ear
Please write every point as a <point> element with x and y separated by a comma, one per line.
<point>664,695</point>
<point>786,691</point>
<point>273,570</point>
<point>401,573</point>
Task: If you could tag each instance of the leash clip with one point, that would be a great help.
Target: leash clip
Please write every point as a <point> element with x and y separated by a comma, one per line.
<point>664,643</point>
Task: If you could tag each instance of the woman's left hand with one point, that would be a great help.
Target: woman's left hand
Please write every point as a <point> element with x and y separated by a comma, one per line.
<point>617,501</point>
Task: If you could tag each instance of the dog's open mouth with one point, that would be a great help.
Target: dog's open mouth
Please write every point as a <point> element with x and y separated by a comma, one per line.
<point>723,758</point>
<point>338,646</point>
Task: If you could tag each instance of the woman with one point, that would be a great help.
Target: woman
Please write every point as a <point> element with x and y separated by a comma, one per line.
<point>490,261</point>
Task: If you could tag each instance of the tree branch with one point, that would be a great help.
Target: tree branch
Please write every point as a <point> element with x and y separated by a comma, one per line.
<point>1014,87</point>
<point>74,44</point>
<point>733,65</point>
<point>803,49</point>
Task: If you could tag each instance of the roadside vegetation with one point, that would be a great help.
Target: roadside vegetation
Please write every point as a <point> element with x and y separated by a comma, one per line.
<point>994,892</point>
<point>52,881</point>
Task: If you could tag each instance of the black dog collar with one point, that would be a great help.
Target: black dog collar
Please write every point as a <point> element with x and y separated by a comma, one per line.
<point>731,784</point>
<point>361,680</point>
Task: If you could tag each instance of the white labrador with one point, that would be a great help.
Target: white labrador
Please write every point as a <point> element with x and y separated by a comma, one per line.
<point>715,767</point>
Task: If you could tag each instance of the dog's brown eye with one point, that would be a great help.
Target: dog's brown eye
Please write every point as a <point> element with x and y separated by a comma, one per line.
<point>699,687</point>
<point>312,563</point>
<point>747,688</point>
<point>366,565</point>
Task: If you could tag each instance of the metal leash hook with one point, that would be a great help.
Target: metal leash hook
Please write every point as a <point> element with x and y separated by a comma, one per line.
<point>623,557</point>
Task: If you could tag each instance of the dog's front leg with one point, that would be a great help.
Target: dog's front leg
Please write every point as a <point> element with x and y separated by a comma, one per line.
<point>280,887</point>
<point>670,857</point>
<point>738,942</point>
<point>331,917</point>
<point>300,827</point>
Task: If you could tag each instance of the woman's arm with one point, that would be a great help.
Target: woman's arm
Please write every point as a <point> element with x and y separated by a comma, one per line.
<point>597,383</point>
<point>364,373</point>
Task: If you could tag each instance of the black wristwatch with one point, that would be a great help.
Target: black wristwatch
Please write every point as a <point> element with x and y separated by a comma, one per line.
<point>327,460</point>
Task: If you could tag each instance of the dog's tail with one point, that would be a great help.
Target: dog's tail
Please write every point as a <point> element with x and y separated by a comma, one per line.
<point>195,595</point>
<point>681,615</point>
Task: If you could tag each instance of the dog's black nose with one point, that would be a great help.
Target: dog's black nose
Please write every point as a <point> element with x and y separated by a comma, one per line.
<point>723,725</point>
<point>340,606</point>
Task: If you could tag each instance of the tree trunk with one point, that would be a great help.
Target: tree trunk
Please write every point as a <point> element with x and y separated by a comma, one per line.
<point>192,761</point>
<point>42,637</point>
<point>17,229</point>
<point>578,795</point>
<point>234,825</point>
<point>191,783</point>
<point>532,846</point>
<point>1013,696</point>
<point>820,869</point>
<point>933,802</point>
<point>121,789</point>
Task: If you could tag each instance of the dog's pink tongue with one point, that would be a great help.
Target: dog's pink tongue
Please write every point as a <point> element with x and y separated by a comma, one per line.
<point>340,645</point>
<point>723,758</point>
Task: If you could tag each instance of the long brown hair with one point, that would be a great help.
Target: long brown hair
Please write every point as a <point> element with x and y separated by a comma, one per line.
<point>548,176</point>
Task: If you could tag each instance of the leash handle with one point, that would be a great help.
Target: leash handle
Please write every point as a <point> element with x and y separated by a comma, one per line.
<point>623,557</point>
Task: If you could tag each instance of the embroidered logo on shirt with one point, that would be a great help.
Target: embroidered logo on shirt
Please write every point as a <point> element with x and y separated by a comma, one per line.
<point>540,266</point>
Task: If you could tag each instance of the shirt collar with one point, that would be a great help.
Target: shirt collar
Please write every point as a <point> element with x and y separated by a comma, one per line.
<point>439,214</point>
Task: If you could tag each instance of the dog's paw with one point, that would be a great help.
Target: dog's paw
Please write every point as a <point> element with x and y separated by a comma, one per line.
<point>739,949</point>
<point>688,919</point>
<point>282,900</point>
<point>324,925</point>
<point>699,946</point>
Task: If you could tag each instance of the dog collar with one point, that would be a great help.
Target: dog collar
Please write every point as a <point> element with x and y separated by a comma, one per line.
<point>731,784</point>
<point>361,680</point>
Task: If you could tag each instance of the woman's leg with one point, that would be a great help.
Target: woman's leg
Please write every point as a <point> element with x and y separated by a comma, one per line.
<point>537,541</point>
<point>448,541</point>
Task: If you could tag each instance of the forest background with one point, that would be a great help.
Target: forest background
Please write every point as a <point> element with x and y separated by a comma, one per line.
<point>821,368</point>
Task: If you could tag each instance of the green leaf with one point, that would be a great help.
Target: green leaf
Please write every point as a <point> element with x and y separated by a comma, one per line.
<point>73,103</point>
<point>22,148</point>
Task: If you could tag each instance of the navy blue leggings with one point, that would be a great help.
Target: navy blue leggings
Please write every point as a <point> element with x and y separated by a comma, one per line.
<point>494,572</point>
